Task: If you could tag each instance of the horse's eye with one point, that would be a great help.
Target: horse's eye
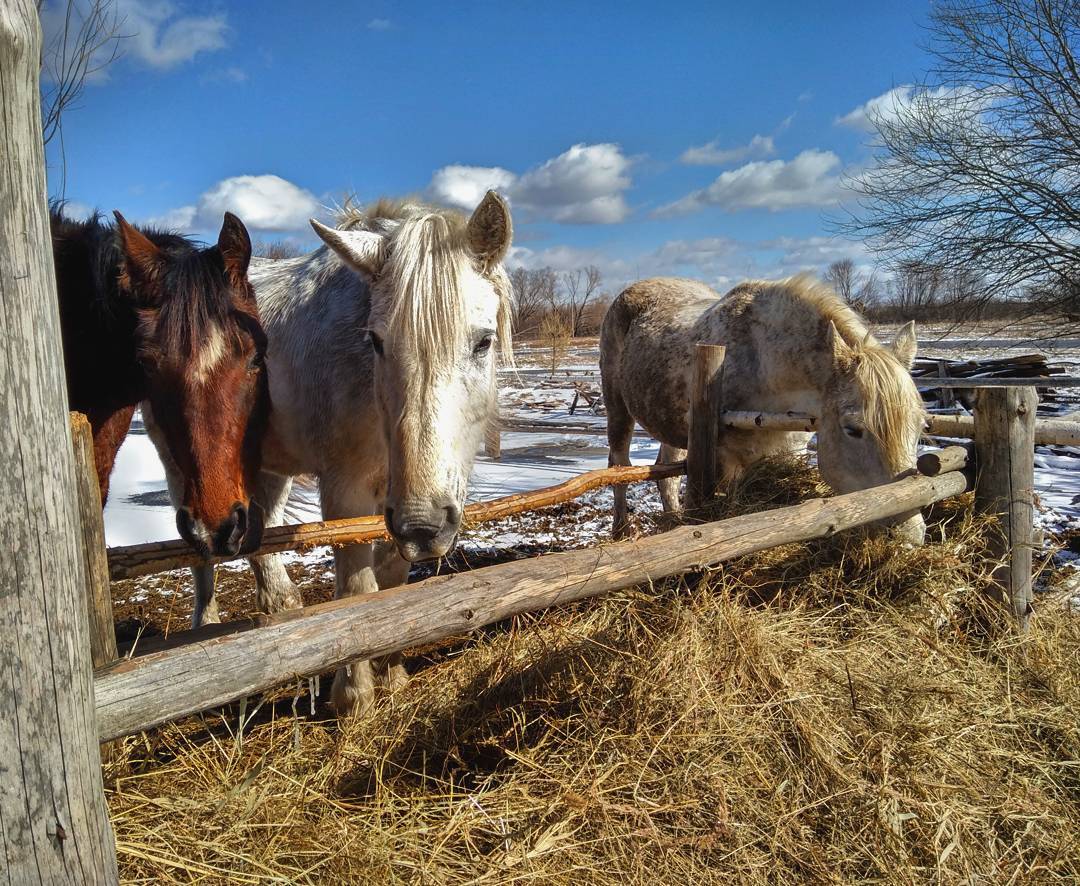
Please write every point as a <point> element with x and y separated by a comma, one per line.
<point>256,361</point>
<point>483,346</point>
<point>853,432</point>
<point>376,342</point>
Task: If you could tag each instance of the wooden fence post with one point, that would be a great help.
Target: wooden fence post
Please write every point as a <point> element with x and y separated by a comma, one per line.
<point>55,824</point>
<point>99,608</point>
<point>1005,460</point>
<point>706,404</point>
<point>493,440</point>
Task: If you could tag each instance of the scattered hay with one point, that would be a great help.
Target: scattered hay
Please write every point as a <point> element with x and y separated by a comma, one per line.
<point>842,711</point>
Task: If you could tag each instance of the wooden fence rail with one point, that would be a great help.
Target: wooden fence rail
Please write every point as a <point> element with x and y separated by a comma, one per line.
<point>1048,431</point>
<point>134,560</point>
<point>144,692</point>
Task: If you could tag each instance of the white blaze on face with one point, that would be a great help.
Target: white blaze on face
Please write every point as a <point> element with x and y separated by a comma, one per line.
<point>212,350</point>
<point>463,395</point>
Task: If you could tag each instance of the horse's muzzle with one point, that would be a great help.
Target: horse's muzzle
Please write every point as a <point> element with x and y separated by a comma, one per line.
<point>424,534</point>
<point>240,532</point>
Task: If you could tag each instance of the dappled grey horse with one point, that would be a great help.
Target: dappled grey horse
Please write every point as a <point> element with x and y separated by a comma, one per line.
<point>791,345</point>
<point>382,350</point>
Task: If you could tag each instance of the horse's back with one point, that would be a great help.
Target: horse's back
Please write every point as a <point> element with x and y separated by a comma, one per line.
<point>645,344</point>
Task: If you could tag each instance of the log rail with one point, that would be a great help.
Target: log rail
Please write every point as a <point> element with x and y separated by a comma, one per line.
<point>141,693</point>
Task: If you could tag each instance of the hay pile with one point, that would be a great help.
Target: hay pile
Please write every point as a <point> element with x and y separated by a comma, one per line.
<point>843,711</point>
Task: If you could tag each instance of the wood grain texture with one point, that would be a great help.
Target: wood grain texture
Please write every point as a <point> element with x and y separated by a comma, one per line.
<point>1005,487</point>
<point>54,825</point>
<point>145,692</point>
<point>941,461</point>
<point>98,590</point>
<point>1048,431</point>
<point>135,560</point>
<point>706,404</point>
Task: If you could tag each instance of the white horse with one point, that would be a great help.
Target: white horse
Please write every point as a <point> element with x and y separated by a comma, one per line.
<point>381,355</point>
<point>791,345</point>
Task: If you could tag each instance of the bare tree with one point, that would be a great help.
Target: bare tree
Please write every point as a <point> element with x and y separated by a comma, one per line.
<point>82,38</point>
<point>275,249</point>
<point>843,278</point>
<point>979,168</point>
<point>534,295</point>
<point>579,287</point>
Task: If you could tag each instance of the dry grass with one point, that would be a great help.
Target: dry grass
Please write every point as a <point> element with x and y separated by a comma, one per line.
<point>844,711</point>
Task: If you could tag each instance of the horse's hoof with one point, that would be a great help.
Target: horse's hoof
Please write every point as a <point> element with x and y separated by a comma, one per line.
<point>394,678</point>
<point>346,696</point>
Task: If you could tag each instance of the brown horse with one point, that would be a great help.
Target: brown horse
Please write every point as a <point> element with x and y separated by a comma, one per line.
<point>152,319</point>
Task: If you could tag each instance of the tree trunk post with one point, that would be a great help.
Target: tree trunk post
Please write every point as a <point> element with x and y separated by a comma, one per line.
<point>493,440</point>
<point>706,405</point>
<point>1004,488</point>
<point>99,607</point>
<point>55,824</point>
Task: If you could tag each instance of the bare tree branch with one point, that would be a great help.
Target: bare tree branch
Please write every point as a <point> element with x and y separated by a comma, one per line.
<point>978,176</point>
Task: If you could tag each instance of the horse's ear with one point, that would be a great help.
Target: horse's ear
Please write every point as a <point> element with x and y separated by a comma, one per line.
<point>141,264</point>
<point>843,353</point>
<point>490,229</point>
<point>364,251</point>
<point>234,244</point>
<point>906,344</point>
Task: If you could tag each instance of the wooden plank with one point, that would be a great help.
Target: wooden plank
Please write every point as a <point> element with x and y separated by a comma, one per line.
<point>1057,381</point>
<point>145,692</point>
<point>1064,431</point>
<point>99,606</point>
<point>54,824</point>
<point>706,404</point>
<point>145,559</point>
<point>941,461</point>
<point>1005,487</point>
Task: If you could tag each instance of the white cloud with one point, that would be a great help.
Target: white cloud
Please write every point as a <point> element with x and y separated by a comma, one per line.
<point>77,210</point>
<point>231,74</point>
<point>584,184</point>
<point>154,32</point>
<point>809,179</point>
<point>889,106</point>
<point>263,203</point>
<point>718,260</point>
<point>380,24</point>
<point>807,253</point>
<point>711,154</point>
<point>465,186</point>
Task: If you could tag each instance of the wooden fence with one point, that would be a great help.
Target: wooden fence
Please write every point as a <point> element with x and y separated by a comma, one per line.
<point>209,666</point>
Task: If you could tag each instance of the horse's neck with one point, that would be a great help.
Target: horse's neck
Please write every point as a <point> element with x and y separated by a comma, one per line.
<point>99,335</point>
<point>788,372</point>
<point>314,312</point>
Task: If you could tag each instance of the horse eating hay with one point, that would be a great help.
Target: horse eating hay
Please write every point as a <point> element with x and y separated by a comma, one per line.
<point>792,345</point>
<point>382,349</point>
<point>150,318</point>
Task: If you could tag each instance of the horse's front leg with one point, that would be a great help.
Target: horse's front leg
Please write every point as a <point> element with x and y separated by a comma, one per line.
<point>391,570</point>
<point>274,589</point>
<point>669,486</point>
<point>354,684</point>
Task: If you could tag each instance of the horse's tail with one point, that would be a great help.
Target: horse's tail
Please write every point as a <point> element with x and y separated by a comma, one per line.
<point>620,423</point>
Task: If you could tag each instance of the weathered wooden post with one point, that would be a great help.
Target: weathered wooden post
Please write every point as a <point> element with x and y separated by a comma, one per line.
<point>493,440</point>
<point>706,404</point>
<point>55,825</point>
<point>1005,484</point>
<point>99,608</point>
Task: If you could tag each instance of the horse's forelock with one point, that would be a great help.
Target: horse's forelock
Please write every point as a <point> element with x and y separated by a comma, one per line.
<point>892,407</point>
<point>427,261</point>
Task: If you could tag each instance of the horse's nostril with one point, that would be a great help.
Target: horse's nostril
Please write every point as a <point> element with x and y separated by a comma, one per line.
<point>453,515</point>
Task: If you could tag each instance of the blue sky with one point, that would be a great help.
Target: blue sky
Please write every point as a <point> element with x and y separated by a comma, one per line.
<point>704,139</point>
